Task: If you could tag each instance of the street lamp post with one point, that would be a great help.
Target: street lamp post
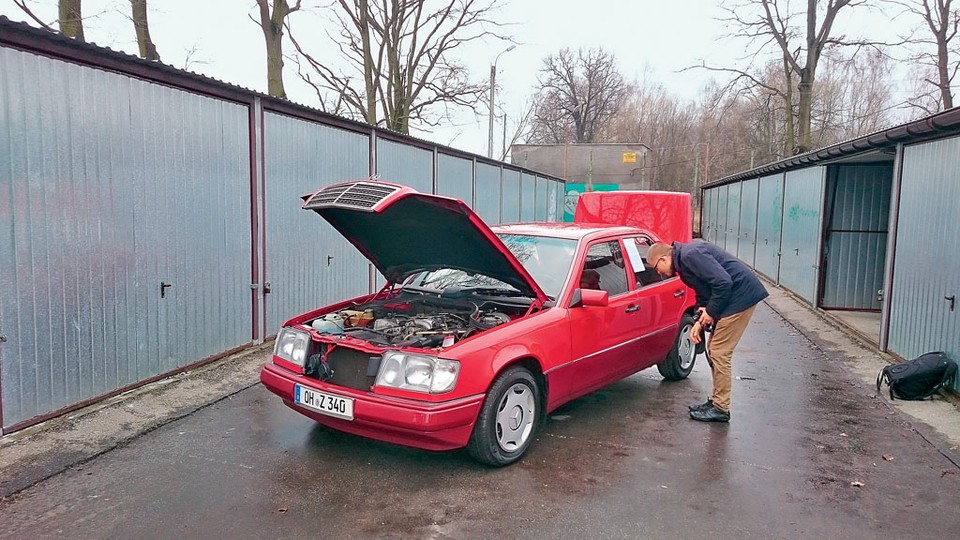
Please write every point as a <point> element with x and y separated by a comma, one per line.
<point>493,81</point>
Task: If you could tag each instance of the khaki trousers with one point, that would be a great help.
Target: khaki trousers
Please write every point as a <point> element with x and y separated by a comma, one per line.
<point>726,334</point>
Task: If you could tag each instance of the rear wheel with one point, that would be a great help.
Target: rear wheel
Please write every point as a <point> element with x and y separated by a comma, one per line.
<point>508,419</point>
<point>679,361</point>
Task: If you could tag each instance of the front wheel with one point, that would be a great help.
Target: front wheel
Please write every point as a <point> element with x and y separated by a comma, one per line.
<point>508,419</point>
<point>679,361</point>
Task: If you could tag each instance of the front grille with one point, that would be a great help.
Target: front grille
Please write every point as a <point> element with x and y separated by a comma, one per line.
<point>353,369</point>
<point>357,195</point>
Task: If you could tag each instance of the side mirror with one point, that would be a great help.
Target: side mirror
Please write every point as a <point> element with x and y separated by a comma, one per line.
<point>589,297</point>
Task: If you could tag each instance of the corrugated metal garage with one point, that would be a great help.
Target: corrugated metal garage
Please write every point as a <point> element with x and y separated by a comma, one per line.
<point>150,220</point>
<point>865,230</point>
<point>924,309</point>
<point>769,215</point>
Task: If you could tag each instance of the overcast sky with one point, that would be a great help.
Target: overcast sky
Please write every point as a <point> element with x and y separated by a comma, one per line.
<point>651,39</point>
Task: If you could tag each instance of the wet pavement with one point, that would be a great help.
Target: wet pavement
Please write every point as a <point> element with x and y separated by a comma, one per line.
<point>811,452</point>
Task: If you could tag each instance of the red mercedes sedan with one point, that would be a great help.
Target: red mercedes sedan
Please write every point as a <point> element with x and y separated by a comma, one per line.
<point>479,331</point>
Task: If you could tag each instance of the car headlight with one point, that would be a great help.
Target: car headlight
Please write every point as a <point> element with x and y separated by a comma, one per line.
<point>417,372</point>
<point>292,345</point>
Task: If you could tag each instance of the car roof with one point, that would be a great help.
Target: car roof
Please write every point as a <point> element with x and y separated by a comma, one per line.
<point>575,231</point>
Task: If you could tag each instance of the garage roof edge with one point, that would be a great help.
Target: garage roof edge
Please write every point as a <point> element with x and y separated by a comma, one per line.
<point>944,123</point>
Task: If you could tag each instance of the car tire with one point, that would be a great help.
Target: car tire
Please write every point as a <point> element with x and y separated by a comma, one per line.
<point>679,361</point>
<point>509,418</point>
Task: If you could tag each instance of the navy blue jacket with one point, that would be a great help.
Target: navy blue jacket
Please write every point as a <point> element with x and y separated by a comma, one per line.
<point>722,282</point>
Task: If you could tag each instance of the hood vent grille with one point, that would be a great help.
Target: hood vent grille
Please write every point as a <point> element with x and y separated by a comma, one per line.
<point>357,195</point>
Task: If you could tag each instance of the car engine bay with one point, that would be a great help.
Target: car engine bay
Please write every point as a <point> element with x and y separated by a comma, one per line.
<point>415,320</point>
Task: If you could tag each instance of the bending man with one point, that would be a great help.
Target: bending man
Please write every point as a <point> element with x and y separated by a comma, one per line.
<point>727,293</point>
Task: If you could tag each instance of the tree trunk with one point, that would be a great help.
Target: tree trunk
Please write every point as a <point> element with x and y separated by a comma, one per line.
<point>805,89</point>
<point>370,114</point>
<point>943,52</point>
<point>946,95</point>
<point>147,48</point>
<point>275,63</point>
<point>71,21</point>
<point>790,142</point>
<point>807,73</point>
<point>272,26</point>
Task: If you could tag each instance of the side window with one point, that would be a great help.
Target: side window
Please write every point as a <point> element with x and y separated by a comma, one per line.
<point>605,269</point>
<point>642,268</point>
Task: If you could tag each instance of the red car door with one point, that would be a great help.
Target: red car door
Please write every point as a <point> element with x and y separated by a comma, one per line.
<point>661,302</point>
<point>603,338</point>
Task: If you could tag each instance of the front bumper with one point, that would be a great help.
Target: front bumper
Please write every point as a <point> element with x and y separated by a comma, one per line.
<point>429,426</point>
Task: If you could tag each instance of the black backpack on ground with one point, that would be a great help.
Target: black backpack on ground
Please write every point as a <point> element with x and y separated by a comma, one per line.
<point>919,378</point>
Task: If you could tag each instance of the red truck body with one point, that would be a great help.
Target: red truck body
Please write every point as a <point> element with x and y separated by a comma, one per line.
<point>667,214</point>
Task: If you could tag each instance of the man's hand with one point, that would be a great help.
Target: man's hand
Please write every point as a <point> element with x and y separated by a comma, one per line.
<point>704,319</point>
<point>695,333</point>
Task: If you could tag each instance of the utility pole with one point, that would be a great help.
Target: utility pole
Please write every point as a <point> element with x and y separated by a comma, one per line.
<point>493,85</point>
<point>503,156</point>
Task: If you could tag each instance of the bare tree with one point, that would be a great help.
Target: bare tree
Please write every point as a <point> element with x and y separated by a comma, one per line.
<point>519,129</point>
<point>668,126</point>
<point>398,57</point>
<point>853,98</point>
<point>800,38</point>
<point>272,23</point>
<point>147,48</point>
<point>579,93</point>
<point>22,4</point>
<point>942,19</point>
<point>70,18</point>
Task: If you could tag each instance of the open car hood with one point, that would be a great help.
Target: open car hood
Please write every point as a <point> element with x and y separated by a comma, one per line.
<point>402,232</point>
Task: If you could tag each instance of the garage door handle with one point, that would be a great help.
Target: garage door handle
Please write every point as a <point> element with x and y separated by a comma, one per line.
<point>632,308</point>
<point>679,293</point>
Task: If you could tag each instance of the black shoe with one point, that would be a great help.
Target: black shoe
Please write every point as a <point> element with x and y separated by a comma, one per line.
<point>710,413</point>
<point>700,406</point>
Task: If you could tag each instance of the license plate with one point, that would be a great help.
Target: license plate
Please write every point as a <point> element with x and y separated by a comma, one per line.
<point>329,404</point>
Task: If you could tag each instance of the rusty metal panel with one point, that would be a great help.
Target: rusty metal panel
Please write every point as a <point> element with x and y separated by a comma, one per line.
<point>455,178</point>
<point>926,276</point>
<point>855,249</point>
<point>769,216</point>
<point>732,236</point>
<point>510,205</point>
<point>800,243</point>
<point>488,193</point>
<point>747,246</point>
<point>307,264</point>
<point>528,197</point>
<point>110,186</point>
<point>404,164</point>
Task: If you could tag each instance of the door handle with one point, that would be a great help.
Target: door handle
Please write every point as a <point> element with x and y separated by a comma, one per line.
<point>163,288</point>
<point>952,299</point>
<point>267,287</point>
<point>631,308</point>
<point>679,293</point>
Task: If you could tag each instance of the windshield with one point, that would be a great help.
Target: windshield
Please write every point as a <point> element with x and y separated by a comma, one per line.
<point>547,260</point>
